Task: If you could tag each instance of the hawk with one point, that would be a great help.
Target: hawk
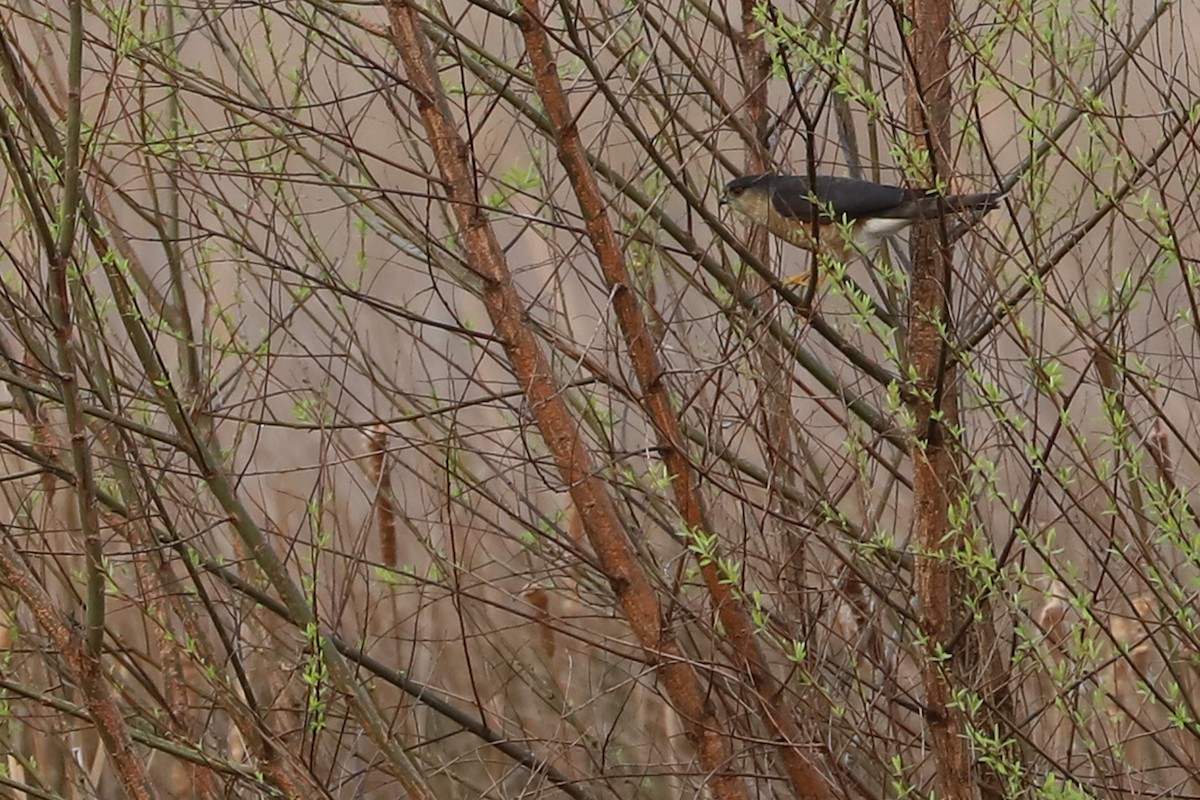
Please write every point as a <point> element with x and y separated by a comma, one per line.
<point>787,205</point>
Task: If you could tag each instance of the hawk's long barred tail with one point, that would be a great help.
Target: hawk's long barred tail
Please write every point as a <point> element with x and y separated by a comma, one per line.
<point>927,207</point>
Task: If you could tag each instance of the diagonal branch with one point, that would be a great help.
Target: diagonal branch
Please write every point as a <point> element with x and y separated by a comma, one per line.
<point>68,639</point>
<point>507,312</point>
<point>806,780</point>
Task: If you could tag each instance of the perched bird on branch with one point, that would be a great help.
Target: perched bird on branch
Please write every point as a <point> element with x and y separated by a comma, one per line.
<point>850,215</point>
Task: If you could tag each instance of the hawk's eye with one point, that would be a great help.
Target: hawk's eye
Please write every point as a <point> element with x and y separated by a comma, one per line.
<point>736,191</point>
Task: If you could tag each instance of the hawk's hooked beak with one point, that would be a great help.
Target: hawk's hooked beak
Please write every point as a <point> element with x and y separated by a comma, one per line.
<point>723,200</point>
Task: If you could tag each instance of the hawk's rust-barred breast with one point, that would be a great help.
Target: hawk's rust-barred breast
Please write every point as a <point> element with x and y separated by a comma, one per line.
<point>787,206</point>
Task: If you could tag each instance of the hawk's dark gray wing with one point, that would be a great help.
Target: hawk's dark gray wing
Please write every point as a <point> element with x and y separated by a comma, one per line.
<point>846,198</point>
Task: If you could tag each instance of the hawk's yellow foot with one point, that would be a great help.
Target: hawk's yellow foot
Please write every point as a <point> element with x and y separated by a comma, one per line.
<point>800,279</point>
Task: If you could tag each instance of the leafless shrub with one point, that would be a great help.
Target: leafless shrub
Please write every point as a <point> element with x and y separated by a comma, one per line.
<point>391,411</point>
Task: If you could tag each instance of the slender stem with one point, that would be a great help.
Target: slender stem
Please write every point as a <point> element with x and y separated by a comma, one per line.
<point>60,298</point>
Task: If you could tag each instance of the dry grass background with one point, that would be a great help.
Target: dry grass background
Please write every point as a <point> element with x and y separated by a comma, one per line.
<point>259,175</point>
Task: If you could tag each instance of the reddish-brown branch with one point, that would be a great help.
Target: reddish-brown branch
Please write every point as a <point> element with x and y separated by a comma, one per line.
<point>68,639</point>
<point>555,423</point>
<point>384,502</point>
<point>772,375</point>
<point>806,779</point>
<point>936,484</point>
